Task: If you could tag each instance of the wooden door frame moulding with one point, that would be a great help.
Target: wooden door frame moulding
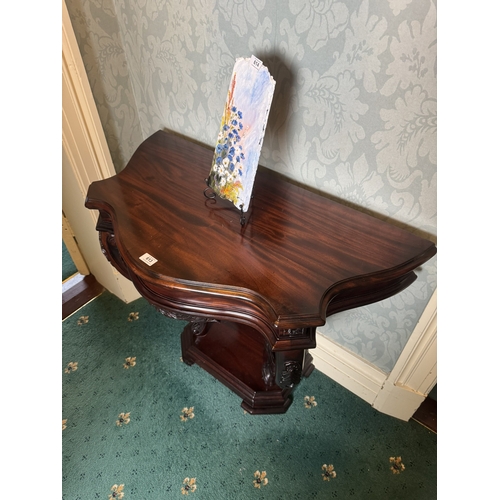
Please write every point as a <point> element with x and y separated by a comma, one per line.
<point>86,158</point>
<point>415,372</point>
<point>400,392</point>
<point>68,237</point>
<point>75,75</point>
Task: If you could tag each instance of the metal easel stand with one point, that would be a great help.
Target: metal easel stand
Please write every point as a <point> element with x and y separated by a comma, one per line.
<point>211,195</point>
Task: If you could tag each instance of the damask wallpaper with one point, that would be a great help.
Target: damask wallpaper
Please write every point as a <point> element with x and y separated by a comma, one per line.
<point>353,114</point>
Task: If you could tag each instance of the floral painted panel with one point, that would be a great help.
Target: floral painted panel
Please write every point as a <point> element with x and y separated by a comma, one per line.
<point>241,132</point>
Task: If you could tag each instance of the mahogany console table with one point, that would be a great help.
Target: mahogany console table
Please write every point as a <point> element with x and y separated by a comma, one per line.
<point>253,294</point>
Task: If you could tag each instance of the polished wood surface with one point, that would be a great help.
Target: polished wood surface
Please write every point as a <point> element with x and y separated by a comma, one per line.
<point>298,258</point>
<point>78,291</point>
<point>426,414</point>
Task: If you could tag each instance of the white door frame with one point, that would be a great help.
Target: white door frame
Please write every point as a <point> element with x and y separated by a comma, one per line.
<point>400,392</point>
<point>86,158</point>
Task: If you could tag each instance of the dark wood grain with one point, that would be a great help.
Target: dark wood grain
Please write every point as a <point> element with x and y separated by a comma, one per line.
<point>77,291</point>
<point>426,414</point>
<point>299,257</point>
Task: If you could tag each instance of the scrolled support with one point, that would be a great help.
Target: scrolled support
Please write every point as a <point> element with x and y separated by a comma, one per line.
<point>269,367</point>
<point>289,367</point>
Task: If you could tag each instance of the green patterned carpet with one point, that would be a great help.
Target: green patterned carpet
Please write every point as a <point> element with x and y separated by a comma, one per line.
<point>138,423</point>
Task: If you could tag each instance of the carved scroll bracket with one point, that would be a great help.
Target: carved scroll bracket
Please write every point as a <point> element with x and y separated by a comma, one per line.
<point>269,367</point>
<point>291,374</point>
<point>289,368</point>
<point>198,324</point>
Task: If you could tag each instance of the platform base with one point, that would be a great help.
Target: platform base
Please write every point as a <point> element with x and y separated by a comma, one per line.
<point>237,356</point>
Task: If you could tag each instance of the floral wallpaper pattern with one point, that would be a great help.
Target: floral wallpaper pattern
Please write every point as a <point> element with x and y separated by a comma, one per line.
<point>353,115</point>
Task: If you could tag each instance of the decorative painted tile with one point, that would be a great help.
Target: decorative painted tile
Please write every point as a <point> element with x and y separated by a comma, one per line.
<point>241,132</point>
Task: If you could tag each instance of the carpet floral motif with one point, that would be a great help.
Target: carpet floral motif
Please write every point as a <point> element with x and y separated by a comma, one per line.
<point>133,316</point>
<point>72,367</point>
<point>123,419</point>
<point>117,491</point>
<point>397,466</point>
<point>260,479</point>
<point>82,320</point>
<point>328,472</point>
<point>187,413</point>
<point>310,401</point>
<point>188,486</point>
<point>129,363</point>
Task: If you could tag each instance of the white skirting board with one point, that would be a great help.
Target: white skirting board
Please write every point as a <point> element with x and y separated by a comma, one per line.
<point>398,393</point>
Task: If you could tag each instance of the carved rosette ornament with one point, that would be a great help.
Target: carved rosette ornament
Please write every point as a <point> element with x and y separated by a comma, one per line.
<point>198,328</point>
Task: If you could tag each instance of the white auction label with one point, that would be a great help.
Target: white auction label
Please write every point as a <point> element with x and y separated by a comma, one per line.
<point>256,63</point>
<point>148,259</point>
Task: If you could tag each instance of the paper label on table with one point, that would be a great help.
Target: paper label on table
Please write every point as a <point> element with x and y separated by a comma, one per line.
<point>148,259</point>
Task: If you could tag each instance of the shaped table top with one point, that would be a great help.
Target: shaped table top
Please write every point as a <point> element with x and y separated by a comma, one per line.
<point>298,253</point>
